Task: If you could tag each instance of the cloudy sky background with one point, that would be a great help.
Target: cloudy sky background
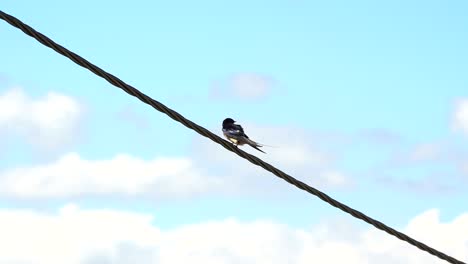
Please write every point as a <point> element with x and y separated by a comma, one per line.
<point>365,101</point>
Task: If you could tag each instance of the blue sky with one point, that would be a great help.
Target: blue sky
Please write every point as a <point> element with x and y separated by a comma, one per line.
<point>366,84</point>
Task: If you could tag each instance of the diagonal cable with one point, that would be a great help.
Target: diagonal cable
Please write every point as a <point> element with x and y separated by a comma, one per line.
<point>206,133</point>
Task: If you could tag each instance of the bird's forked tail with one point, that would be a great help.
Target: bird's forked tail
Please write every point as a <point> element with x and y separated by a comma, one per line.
<point>254,145</point>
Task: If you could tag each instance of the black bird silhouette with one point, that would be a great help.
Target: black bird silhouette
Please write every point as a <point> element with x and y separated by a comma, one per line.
<point>235,134</point>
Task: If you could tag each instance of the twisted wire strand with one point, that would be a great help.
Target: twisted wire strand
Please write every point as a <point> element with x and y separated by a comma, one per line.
<point>206,133</point>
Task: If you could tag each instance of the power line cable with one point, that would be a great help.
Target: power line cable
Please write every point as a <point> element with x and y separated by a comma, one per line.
<point>206,133</point>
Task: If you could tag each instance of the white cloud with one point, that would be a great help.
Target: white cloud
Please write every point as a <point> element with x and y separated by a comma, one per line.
<point>460,116</point>
<point>72,176</point>
<point>250,85</point>
<point>75,235</point>
<point>298,152</point>
<point>432,184</point>
<point>70,235</point>
<point>425,152</point>
<point>209,170</point>
<point>438,163</point>
<point>246,86</point>
<point>47,122</point>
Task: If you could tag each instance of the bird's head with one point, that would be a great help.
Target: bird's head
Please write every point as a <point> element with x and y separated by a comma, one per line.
<point>228,121</point>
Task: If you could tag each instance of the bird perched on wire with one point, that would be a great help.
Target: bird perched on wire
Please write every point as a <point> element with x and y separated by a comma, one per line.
<point>235,134</point>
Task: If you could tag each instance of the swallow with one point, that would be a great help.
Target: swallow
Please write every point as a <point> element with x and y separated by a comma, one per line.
<point>235,134</point>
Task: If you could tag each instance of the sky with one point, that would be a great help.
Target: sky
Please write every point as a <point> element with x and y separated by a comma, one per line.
<point>363,100</point>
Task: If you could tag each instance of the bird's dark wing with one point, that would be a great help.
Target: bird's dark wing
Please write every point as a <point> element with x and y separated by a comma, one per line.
<point>239,128</point>
<point>235,131</point>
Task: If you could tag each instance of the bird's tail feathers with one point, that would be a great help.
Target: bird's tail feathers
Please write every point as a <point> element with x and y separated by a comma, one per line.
<point>254,145</point>
<point>264,145</point>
